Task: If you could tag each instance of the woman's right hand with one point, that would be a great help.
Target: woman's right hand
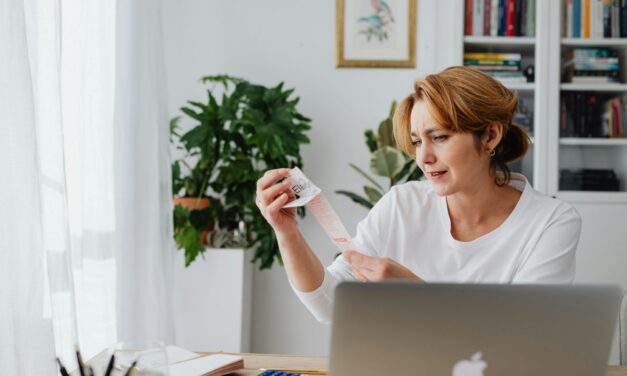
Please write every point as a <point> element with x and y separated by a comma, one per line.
<point>271,196</point>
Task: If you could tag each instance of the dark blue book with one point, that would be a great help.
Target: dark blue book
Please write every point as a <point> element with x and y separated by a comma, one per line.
<point>502,17</point>
<point>623,18</point>
<point>607,20</point>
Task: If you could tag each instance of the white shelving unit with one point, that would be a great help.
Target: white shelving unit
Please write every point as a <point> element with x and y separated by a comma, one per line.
<point>549,152</point>
<point>534,52</point>
<point>570,153</point>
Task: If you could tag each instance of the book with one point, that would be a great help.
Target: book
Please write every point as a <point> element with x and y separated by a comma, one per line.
<point>576,19</point>
<point>586,18</point>
<point>487,16</point>
<point>468,29</point>
<point>492,55</point>
<point>494,18</point>
<point>208,365</point>
<point>510,14</point>
<point>477,17</point>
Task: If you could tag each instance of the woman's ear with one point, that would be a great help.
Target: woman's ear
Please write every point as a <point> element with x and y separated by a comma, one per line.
<point>492,135</point>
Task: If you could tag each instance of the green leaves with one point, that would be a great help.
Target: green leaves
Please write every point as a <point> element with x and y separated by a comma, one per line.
<point>242,130</point>
<point>387,161</point>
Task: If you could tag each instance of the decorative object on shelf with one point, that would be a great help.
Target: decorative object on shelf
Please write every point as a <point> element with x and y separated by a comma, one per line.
<point>372,34</point>
<point>386,160</point>
<point>252,128</point>
<point>530,73</point>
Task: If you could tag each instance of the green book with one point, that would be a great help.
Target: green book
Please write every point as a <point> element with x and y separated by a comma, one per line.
<point>531,18</point>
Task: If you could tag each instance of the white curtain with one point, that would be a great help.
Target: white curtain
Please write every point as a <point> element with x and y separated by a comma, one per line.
<point>85,237</point>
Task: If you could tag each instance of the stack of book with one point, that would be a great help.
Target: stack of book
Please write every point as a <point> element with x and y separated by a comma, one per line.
<point>506,67</point>
<point>592,115</point>
<point>500,17</point>
<point>594,18</point>
<point>591,65</point>
<point>588,180</point>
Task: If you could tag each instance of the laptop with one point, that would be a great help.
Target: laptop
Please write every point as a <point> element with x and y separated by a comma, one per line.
<point>402,328</point>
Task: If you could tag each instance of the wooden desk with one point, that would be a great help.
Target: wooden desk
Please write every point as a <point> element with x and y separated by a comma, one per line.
<point>253,362</point>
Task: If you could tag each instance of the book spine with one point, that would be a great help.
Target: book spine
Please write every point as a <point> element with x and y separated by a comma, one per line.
<point>623,18</point>
<point>468,30</point>
<point>586,18</point>
<point>510,15</point>
<point>531,18</point>
<point>487,16</point>
<point>502,17</point>
<point>523,18</point>
<point>517,17</point>
<point>477,18</point>
<point>596,19</point>
<point>607,15</point>
<point>494,18</point>
<point>615,19</point>
<point>492,55</point>
<point>569,18</point>
<point>576,18</point>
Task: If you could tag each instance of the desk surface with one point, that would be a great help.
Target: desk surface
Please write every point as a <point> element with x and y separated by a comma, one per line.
<point>253,362</point>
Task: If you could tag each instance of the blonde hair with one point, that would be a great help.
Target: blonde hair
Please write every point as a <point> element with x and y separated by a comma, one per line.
<point>466,100</point>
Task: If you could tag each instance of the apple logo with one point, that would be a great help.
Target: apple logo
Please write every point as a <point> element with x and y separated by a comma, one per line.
<point>472,367</point>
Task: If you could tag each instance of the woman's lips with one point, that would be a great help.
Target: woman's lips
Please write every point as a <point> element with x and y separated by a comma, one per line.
<point>436,175</point>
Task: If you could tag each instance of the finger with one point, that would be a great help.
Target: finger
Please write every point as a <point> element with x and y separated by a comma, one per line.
<point>273,209</point>
<point>363,261</point>
<point>268,195</point>
<point>270,177</point>
<point>359,275</point>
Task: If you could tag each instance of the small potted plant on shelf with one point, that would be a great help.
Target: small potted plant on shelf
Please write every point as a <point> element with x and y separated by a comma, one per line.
<point>240,131</point>
<point>386,160</point>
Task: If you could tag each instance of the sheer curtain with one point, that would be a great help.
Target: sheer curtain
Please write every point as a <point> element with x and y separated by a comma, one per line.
<point>86,249</point>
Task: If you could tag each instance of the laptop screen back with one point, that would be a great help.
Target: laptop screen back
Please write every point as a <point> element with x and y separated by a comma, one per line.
<point>398,328</point>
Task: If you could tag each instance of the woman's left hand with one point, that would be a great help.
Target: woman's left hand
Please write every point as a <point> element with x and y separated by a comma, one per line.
<point>367,268</point>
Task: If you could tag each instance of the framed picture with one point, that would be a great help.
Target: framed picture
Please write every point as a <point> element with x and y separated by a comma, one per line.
<point>376,33</point>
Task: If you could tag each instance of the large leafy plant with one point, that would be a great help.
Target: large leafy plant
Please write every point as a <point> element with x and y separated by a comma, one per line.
<point>386,160</point>
<point>240,131</point>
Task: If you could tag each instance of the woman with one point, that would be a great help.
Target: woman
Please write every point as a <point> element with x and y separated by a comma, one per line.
<point>471,221</point>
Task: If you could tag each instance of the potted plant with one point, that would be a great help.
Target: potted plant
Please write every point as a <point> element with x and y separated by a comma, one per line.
<point>386,160</point>
<point>234,136</point>
<point>241,130</point>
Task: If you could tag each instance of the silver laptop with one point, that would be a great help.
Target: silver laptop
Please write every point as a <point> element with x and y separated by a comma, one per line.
<point>397,328</point>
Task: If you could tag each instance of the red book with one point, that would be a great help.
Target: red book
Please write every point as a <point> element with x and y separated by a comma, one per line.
<point>468,30</point>
<point>487,16</point>
<point>509,17</point>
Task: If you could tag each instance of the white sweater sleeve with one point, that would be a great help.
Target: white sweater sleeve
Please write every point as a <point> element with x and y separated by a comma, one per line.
<point>367,241</point>
<point>320,301</point>
<point>553,258</point>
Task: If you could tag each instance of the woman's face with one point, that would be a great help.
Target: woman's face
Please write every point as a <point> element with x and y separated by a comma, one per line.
<point>450,161</point>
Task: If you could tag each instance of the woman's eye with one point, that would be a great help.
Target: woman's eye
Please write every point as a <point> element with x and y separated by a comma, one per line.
<point>440,138</point>
<point>416,142</point>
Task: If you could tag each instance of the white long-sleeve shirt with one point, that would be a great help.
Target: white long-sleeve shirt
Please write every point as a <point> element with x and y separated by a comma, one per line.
<point>410,224</point>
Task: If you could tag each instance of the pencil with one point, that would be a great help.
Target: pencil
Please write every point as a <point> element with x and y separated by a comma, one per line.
<point>110,366</point>
<point>62,369</point>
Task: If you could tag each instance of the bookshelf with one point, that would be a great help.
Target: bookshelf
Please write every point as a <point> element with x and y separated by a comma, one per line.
<point>551,153</point>
<point>584,152</point>
<point>527,42</point>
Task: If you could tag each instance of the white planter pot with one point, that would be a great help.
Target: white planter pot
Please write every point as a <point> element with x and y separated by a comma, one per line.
<point>212,301</point>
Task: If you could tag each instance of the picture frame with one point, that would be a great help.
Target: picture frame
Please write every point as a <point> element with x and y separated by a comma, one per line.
<point>375,33</point>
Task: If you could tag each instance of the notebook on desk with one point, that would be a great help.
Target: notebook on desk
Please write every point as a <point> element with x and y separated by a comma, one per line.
<point>397,328</point>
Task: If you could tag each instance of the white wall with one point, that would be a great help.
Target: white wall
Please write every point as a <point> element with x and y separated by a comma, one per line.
<point>294,41</point>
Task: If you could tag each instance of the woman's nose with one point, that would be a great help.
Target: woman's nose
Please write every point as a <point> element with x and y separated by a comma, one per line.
<point>424,154</point>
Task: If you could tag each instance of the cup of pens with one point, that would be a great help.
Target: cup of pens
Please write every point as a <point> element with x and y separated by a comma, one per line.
<point>137,358</point>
